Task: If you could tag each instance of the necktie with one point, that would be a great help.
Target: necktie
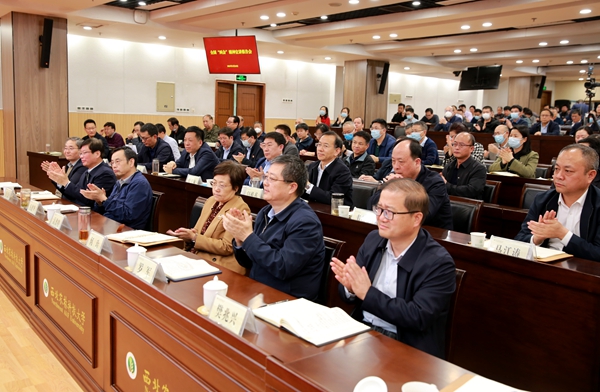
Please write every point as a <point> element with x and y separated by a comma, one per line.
<point>87,177</point>
<point>69,169</point>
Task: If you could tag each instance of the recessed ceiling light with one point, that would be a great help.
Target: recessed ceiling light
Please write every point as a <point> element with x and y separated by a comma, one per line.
<point>543,43</point>
<point>141,3</point>
<point>535,61</point>
<point>416,3</point>
<point>87,27</point>
<point>583,61</point>
<point>353,1</point>
<point>564,42</point>
<point>465,27</point>
<point>487,24</point>
<point>280,52</point>
<point>473,49</point>
<point>324,17</point>
<point>582,71</point>
<point>580,78</point>
<point>162,37</point>
<point>264,17</point>
<point>519,61</point>
<point>457,50</point>
<point>393,35</point>
<point>406,68</point>
<point>273,24</point>
<point>570,62</point>
<point>281,14</point>
<point>376,37</point>
<point>585,11</point>
<point>327,58</point>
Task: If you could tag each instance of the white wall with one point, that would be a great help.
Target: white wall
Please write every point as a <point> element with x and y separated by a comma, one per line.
<point>498,97</point>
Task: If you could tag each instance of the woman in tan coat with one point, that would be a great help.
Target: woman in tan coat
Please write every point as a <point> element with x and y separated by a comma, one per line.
<point>209,238</point>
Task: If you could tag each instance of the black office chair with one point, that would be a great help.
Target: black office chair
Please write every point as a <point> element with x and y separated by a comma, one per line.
<point>196,210</point>
<point>529,192</point>
<point>460,274</point>
<point>541,171</point>
<point>332,249</point>
<point>491,191</point>
<point>399,132</point>
<point>152,223</point>
<point>465,214</point>
<point>361,193</point>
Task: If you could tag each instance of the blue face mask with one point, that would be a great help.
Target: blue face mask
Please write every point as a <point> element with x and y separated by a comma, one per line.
<point>514,116</point>
<point>409,116</point>
<point>476,117</point>
<point>246,143</point>
<point>322,113</point>
<point>416,136</point>
<point>344,114</point>
<point>499,139</point>
<point>514,142</point>
<point>348,136</point>
<point>375,133</point>
<point>591,120</point>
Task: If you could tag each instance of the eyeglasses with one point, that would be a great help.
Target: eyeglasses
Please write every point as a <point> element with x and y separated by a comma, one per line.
<point>461,145</point>
<point>220,185</point>
<point>268,178</point>
<point>323,145</point>
<point>389,215</point>
<point>116,162</point>
<point>70,149</point>
<point>82,153</point>
<point>144,138</point>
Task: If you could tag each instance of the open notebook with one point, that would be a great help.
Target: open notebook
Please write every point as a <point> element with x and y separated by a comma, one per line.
<point>142,237</point>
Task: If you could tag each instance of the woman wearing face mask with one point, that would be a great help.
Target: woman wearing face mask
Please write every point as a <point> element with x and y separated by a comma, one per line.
<point>592,123</point>
<point>342,118</point>
<point>517,157</point>
<point>323,117</point>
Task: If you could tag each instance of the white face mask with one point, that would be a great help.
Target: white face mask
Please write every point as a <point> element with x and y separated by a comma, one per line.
<point>258,130</point>
<point>448,114</point>
<point>486,116</point>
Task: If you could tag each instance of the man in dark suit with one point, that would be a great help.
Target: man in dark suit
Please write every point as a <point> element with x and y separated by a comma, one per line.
<point>253,150</point>
<point>576,120</point>
<point>464,176</point>
<point>177,130</point>
<point>234,123</point>
<point>402,280</point>
<point>546,126</point>
<point>197,159</point>
<point>329,174</point>
<point>229,147</point>
<point>90,129</point>
<point>567,217</point>
<point>154,148</point>
<point>74,169</point>
<point>98,173</point>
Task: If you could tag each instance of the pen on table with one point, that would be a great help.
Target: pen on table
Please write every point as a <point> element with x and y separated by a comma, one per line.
<point>275,303</point>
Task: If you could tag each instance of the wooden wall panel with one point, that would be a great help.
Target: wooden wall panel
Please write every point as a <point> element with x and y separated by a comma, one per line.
<point>9,161</point>
<point>355,88</point>
<point>519,90</point>
<point>375,104</point>
<point>2,171</point>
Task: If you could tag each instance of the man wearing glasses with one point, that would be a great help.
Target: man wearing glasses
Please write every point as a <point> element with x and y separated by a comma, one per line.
<point>154,148</point>
<point>272,147</point>
<point>130,201</point>
<point>402,280</point>
<point>74,169</point>
<point>285,250</point>
<point>464,176</point>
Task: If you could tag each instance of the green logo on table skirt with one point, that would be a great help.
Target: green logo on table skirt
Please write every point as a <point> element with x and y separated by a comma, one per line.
<point>131,366</point>
<point>45,287</point>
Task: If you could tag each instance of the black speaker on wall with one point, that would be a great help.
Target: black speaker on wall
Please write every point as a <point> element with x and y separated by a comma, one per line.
<point>541,89</point>
<point>46,43</point>
<point>384,78</point>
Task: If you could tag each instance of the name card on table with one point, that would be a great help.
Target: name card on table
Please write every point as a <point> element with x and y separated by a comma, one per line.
<point>513,248</point>
<point>232,315</point>
<point>193,179</point>
<point>147,270</point>
<point>9,194</point>
<point>97,242</point>
<point>252,192</point>
<point>36,208</point>
<point>142,169</point>
<point>60,221</point>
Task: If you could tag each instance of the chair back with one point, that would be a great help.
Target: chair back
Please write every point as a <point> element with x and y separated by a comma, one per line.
<point>460,274</point>
<point>465,214</point>
<point>399,132</point>
<point>543,170</point>
<point>491,191</point>
<point>361,193</point>
<point>529,192</point>
<point>152,223</point>
<point>332,249</point>
<point>196,210</point>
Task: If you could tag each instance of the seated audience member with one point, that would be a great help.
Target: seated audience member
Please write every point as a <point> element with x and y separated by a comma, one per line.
<point>258,127</point>
<point>410,117</point>
<point>113,139</point>
<point>555,117</point>
<point>399,116</point>
<point>418,132</point>
<point>285,250</point>
<point>407,164</point>
<point>382,142</point>
<point>487,123</point>
<point>342,118</point>
<point>360,162</point>
<point>329,174</point>
<point>517,157</point>
<point>323,117</point>
<point>197,159</point>
<point>583,133</point>
<point>253,150</point>
<point>594,143</point>
<point>305,143</point>
<point>134,136</point>
<point>592,123</point>
<point>228,148</point>
<point>464,176</point>
<point>467,114</point>
<point>546,126</point>
<point>272,148</point>
<point>565,114</point>
<point>576,122</point>
<point>211,130</point>
<point>476,115</point>
<point>233,123</point>
<point>567,217</point>
<point>347,135</point>
<point>320,129</point>
<point>449,118</point>
<point>153,148</point>
<point>162,133</point>
<point>97,173</point>
<point>359,124</point>
<point>90,130</point>
<point>455,129</point>
<point>208,238</point>
<point>130,201</point>
<point>529,116</point>
<point>290,144</point>
<point>501,135</point>
<point>401,280</point>
<point>430,119</point>
<point>177,130</point>
<point>74,169</point>
<point>516,117</point>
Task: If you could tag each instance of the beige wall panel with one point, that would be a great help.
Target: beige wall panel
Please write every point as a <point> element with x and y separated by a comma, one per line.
<point>9,158</point>
<point>376,104</point>
<point>2,171</point>
<point>355,88</point>
<point>519,90</point>
<point>570,90</point>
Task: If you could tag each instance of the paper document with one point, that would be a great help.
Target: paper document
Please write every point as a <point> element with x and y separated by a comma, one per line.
<point>142,237</point>
<point>180,267</point>
<point>65,208</point>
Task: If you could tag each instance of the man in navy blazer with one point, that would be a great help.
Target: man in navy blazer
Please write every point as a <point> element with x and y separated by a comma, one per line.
<point>252,146</point>
<point>153,148</point>
<point>567,217</point>
<point>329,174</point>
<point>402,280</point>
<point>285,250</point>
<point>197,159</point>
<point>418,132</point>
<point>577,123</point>
<point>229,147</point>
<point>546,126</point>
<point>98,173</point>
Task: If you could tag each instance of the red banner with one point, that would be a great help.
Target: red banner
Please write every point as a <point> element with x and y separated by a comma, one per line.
<point>232,55</point>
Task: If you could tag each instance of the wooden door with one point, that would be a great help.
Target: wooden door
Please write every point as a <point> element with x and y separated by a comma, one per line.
<point>224,106</point>
<point>546,99</point>
<point>250,103</point>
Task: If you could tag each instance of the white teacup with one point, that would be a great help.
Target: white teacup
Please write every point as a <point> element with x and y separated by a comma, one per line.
<point>133,253</point>
<point>211,289</point>
<point>51,209</point>
<point>344,211</point>
<point>418,386</point>
<point>477,239</point>
<point>371,384</point>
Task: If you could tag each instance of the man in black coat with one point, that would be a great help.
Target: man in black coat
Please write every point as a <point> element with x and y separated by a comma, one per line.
<point>90,129</point>
<point>464,176</point>
<point>229,147</point>
<point>254,152</point>
<point>154,148</point>
<point>177,130</point>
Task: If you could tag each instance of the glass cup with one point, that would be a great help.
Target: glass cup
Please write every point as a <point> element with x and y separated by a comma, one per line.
<point>25,197</point>
<point>155,166</point>
<point>255,182</point>
<point>337,199</point>
<point>84,223</point>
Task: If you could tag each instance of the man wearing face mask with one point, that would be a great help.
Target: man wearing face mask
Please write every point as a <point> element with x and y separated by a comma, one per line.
<point>410,117</point>
<point>487,123</point>
<point>501,135</point>
<point>258,128</point>
<point>476,116</point>
<point>380,148</point>
<point>348,131</point>
<point>516,117</point>
<point>253,151</point>
<point>448,119</point>
<point>546,126</point>
<point>429,154</point>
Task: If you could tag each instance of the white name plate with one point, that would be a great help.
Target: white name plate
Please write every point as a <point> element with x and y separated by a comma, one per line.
<point>97,242</point>
<point>60,221</point>
<point>147,270</point>
<point>232,315</point>
<point>252,192</point>
<point>511,247</point>
<point>9,194</point>
<point>142,168</point>
<point>36,208</point>
<point>190,179</point>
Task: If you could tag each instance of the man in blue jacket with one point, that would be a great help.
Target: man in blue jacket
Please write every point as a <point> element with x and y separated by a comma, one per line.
<point>567,217</point>
<point>285,250</point>
<point>130,201</point>
<point>382,142</point>
<point>402,280</point>
<point>154,148</point>
<point>197,159</point>
<point>418,132</point>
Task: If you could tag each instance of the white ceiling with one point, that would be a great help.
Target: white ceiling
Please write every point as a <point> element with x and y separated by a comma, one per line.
<point>425,43</point>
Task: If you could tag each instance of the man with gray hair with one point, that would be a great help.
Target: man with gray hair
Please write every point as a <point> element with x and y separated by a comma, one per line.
<point>567,217</point>
<point>464,176</point>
